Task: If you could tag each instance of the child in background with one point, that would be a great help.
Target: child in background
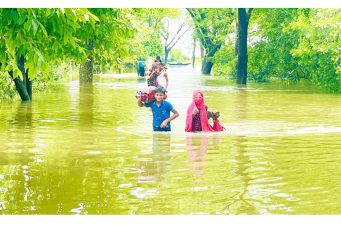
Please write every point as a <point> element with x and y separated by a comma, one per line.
<point>158,60</point>
<point>161,110</point>
<point>154,72</point>
<point>162,78</point>
<point>157,78</point>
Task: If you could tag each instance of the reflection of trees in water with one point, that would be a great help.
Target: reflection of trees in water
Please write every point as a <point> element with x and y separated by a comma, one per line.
<point>75,178</point>
<point>154,165</point>
<point>65,181</point>
<point>241,105</point>
<point>33,182</point>
<point>17,163</point>
<point>86,105</point>
<point>240,203</point>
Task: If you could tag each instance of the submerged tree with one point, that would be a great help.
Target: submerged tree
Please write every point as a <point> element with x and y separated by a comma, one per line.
<point>241,44</point>
<point>211,27</point>
<point>34,39</point>
<point>106,41</point>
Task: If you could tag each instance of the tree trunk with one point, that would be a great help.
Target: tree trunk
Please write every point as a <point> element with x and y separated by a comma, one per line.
<point>86,70</point>
<point>24,86</point>
<point>193,53</point>
<point>241,45</point>
<point>21,88</point>
<point>206,67</point>
<point>207,63</point>
<point>202,53</point>
<point>28,85</point>
<point>166,55</point>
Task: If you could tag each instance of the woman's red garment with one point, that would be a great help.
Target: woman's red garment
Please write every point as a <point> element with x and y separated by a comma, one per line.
<point>200,104</point>
<point>217,126</point>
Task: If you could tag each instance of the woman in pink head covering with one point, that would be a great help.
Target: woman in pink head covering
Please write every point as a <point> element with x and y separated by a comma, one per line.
<point>197,119</point>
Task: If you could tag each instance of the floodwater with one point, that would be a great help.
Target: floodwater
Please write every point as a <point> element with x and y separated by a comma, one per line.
<point>91,150</point>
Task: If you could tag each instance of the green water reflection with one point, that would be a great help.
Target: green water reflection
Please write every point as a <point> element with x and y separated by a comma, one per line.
<point>91,150</point>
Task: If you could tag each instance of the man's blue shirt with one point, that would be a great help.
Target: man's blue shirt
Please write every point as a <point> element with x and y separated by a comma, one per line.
<point>160,113</point>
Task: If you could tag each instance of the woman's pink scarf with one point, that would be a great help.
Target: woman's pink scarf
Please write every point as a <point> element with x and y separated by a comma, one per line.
<point>200,104</point>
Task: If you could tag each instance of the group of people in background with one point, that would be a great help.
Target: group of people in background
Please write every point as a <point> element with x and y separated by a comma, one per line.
<point>154,96</point>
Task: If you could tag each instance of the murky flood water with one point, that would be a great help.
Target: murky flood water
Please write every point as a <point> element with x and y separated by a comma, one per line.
<point>91,150</point>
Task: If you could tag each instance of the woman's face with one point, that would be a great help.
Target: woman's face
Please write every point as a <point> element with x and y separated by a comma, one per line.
<point>197,97</point>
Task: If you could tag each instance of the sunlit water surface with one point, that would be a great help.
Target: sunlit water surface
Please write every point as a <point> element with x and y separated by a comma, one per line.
<point>91,150</point>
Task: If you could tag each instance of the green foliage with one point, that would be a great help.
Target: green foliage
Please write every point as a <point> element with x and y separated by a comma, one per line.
<point>153,23</point>
<point>41,82</point>
<point>297,44</point>
<point>225,62</point>
<point>111,36</point>
<point>290,44</point>
<point>269,54</point>
<point>211,27</point>
<point>42,36</point>
<point>7,88</point>
<point>147,42</point>
<point>152,45</point>
<point>318,51</point>
<point>56,74</point>
<point>176,55</point>
<point>45,37</point>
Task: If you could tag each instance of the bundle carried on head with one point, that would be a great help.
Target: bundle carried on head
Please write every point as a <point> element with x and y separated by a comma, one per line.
<point>146,94</point>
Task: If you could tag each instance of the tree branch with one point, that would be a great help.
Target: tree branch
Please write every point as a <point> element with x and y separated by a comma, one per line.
<point>178,31</point>
<point>178,38</point>
<point>164,37</point>
<point>191,12</point>
<point>248,14</point>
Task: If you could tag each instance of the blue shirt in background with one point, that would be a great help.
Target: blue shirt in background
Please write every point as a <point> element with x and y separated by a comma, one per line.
<point>160,113</point>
